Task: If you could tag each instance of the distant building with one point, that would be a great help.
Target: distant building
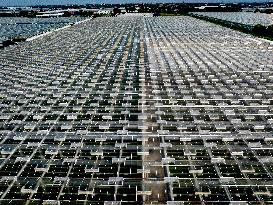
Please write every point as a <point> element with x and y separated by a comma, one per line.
<point>56,13</point>
<point>209,7</point>
<point>123,10</point>
<point>104,11</point>
<point>49,15</point>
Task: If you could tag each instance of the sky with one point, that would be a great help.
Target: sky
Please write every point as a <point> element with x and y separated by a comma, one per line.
<point>61,2</point>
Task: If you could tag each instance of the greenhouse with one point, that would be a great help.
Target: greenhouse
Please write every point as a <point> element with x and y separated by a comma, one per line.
<point>137,110</point>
